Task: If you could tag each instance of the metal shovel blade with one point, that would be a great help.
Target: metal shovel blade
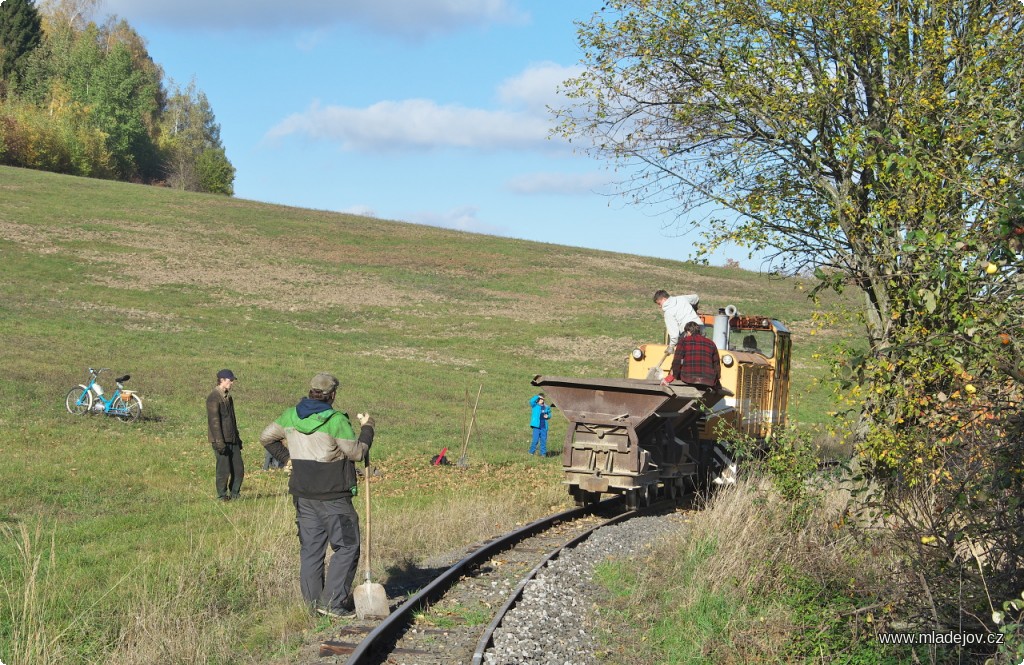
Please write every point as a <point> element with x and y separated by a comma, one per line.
<point>655,372</point>
<point>371,600</point>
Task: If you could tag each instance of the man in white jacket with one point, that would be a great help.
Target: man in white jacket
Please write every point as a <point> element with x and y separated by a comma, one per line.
<point>679,310</point>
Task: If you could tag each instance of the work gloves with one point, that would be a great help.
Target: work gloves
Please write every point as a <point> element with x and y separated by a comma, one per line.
<point>364,419</point>
<point>220,447</point>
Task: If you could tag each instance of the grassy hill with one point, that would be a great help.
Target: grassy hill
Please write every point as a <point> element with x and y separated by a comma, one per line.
<point>114,549</point>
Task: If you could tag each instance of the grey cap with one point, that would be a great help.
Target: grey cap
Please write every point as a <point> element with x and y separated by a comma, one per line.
<point>324,382</point>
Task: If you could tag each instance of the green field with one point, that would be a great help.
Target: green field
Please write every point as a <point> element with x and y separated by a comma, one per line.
<point>113,548</point>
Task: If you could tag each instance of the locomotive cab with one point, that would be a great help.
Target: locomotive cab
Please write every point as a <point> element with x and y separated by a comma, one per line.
<point>755,356</point>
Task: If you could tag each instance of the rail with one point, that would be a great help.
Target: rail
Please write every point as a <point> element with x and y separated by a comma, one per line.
<point>378,640</point>
<point>487,639</point>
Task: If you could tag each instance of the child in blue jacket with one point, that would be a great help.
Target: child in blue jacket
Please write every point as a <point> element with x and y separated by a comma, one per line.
<point>539,416</point>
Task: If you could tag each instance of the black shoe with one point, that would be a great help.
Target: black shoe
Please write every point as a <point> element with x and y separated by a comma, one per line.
<point>236,496</point>
<point>224,497</point>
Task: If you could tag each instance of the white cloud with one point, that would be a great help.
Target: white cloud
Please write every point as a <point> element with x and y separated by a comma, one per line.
<point>361,210</point>
<point>413,19</point>
<point>537,87</point>
<point>560,183</point>
<point>462,219</point>
<point>523,123</point>
<point>310,39</point>
<point>417,124</point>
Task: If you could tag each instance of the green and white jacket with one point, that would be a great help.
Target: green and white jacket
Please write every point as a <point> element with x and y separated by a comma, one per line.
<point>322,447</point>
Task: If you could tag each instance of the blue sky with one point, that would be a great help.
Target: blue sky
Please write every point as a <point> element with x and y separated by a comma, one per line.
<point>425,111</point>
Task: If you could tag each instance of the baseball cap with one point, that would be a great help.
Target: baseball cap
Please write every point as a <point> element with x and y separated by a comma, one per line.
<point>324,382</point>
<point>226,374</point>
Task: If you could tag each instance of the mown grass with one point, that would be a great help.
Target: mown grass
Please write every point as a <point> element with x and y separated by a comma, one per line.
<point>113,548</point>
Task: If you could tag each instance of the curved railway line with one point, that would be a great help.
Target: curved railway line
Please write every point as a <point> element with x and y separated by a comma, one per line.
<point>635,437</point>
<point>453,618</point>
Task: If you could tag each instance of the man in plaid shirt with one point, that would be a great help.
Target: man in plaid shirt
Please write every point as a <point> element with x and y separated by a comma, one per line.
<point>696,359</point>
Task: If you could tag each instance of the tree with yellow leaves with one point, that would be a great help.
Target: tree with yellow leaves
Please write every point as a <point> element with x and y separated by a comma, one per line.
<point>874,144</point>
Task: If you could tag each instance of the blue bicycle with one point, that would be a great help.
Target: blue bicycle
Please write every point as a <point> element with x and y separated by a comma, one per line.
<point>125,405</point>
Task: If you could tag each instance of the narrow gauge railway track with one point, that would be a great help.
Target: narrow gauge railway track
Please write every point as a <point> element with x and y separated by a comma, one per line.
<point>451,619</point>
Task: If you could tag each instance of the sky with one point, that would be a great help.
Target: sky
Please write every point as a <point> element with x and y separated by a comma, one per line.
<point>426,111</point>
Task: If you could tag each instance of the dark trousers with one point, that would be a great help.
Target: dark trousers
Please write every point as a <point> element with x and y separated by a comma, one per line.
<point>322,522</point>
<point>230,469</point>
<point>270,462</point>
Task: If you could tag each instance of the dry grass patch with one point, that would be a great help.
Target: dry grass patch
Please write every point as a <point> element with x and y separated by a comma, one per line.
<point>184,610</point>
<point>454,523</point>
<point>263,270</point>
<point>744,582</point>
<point>537,310</point>
<point>418,355</point>
<point>420,510</point>
<point>579,349</point>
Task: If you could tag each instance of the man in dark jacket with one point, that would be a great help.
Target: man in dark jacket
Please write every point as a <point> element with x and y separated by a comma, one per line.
<point>323,447</point>
<point>224,436</point>
<point>696,359</point>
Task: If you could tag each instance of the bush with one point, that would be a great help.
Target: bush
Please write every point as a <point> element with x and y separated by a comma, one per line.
<point>60,140</point>
<point>1011,626</point>
<point>791,461</point>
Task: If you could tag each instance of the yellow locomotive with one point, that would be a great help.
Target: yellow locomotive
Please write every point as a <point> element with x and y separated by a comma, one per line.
<point>641,438</point>
<point>755,354</point>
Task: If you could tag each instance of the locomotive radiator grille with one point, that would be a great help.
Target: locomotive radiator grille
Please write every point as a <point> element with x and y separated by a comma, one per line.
<point>755,397</point>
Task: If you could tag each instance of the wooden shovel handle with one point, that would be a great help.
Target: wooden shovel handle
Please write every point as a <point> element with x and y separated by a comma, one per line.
<point>366,472</point>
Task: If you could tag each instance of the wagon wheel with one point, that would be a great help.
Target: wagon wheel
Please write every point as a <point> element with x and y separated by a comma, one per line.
<point>644,496</point>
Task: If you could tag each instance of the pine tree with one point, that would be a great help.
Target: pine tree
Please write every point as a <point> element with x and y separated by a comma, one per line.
<point>20,31</point>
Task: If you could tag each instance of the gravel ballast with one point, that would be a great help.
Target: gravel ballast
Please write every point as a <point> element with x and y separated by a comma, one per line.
<point>552,624</point>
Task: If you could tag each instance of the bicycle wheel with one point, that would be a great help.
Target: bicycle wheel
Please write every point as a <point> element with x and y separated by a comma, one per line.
<point>128,410</point>
<point>79,401</point>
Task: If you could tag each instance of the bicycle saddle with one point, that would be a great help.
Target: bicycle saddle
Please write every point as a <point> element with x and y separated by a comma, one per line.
<point>122,379</point>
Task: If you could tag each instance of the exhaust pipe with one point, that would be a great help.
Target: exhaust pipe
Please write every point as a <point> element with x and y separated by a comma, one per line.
<point>720,336</point>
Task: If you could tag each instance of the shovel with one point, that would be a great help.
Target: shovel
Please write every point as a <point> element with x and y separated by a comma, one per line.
<point>469,430</point>
<point>370,598</point>
<point>655,372</point>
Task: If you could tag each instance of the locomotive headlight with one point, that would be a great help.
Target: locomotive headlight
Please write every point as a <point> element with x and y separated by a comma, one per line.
<point>727,360</point>
<point>638,354</point>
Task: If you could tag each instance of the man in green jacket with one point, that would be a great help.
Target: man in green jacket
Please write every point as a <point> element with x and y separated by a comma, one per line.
<point>323,448</point>
<point>224,436</point>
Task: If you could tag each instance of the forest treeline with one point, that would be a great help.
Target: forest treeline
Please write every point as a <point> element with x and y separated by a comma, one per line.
<point>87,99</point>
